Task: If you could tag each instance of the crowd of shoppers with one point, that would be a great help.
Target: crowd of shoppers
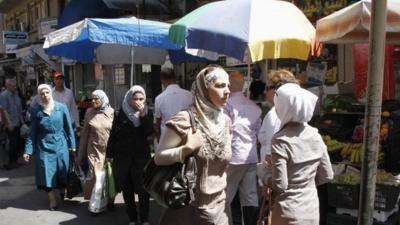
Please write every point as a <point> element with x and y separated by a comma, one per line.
<point>228,125</point>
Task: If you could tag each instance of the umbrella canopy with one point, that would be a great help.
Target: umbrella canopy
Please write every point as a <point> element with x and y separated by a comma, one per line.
<point>352,24</point>
<point>259,28</point>
<point>111,41</point>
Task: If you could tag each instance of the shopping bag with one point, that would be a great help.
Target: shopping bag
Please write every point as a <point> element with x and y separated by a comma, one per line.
<point>110,181</point>
<point>76,177</point>
<point>98,199</point>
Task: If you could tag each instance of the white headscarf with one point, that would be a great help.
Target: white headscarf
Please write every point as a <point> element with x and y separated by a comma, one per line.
<point>105,103</point>
<point>47,108</point>
<point>128,109</point>
<point>294,104</point>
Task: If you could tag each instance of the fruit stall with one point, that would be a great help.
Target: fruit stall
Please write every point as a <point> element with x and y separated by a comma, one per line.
<point>342,128</point>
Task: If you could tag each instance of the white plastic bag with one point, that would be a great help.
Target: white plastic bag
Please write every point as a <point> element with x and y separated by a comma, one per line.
<point>98,199</point>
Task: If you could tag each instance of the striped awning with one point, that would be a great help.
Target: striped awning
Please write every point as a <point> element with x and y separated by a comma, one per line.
<point>352,24</point>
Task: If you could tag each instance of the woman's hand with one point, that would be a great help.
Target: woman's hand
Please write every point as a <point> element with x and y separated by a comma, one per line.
<point>268,159</point>
<point>139,106</point>
<point>26,157</point>
<point>108,160</point>
<point>193,143</point>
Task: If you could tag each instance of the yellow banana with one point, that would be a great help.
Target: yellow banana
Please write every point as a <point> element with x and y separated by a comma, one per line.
<point>353,157</point>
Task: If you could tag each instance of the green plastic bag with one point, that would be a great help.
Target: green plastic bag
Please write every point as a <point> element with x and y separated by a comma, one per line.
<point>110,181</point>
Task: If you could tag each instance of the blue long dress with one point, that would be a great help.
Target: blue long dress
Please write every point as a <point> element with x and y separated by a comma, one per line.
<point>49,140</point>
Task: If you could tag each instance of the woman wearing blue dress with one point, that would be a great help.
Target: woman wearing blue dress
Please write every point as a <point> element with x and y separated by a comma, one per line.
<point>50,140</point>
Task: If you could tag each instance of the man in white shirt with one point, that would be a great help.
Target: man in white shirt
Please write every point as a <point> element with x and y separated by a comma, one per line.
<point>172,100</point>
<point>65,95</point>
<point>241,173</point>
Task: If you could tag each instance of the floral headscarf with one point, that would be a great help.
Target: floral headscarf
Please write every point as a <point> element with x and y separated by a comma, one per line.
<point>47,107</point>
<point>209,115</point>
<point>105,103</point>
<point>129,111</point>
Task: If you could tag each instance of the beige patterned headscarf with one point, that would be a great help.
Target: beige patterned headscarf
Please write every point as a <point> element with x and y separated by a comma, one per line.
<point>209,115</point>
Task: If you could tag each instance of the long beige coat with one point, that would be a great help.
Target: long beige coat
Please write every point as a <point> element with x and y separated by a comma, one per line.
<point>93,143</point>
<point>300,162</point>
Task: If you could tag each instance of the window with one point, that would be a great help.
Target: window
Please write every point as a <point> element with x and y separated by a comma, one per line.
<point>119,75</point>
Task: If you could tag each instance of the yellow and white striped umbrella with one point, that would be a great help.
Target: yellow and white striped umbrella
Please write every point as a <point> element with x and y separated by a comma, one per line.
<point>352,24</point>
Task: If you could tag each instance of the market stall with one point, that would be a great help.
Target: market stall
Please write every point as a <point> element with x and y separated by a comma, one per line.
<point>345,125</point>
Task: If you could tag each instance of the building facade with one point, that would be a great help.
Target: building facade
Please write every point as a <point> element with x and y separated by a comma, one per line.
<point>24,24</point>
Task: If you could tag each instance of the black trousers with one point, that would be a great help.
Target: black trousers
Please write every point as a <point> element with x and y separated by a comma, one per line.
<point>128,192</point>
<point>15,144</point>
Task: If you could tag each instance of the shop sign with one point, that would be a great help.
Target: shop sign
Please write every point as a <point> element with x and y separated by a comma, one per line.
<point>47,25</point>
<point>15,37</point>
<point>316,73</point>
<point>11,49</point>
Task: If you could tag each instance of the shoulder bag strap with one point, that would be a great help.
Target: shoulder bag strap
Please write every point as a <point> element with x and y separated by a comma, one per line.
<point>192,121</point>
<point>189,168</point>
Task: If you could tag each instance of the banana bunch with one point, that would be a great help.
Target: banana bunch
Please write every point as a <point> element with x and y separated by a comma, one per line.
<point>332,144</point>
<point>356,154</point>
<point>352,152</point>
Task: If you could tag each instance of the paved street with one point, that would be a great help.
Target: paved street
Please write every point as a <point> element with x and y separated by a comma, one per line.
<point>22,204</point>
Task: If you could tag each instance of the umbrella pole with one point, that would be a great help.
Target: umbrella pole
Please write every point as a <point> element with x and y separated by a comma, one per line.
<point>373,111</point>
<point>133,77</point>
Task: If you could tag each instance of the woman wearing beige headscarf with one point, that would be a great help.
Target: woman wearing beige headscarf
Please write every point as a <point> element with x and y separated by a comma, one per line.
<point>211,147</point>
<point>300,160</point>
<point>94,137</point>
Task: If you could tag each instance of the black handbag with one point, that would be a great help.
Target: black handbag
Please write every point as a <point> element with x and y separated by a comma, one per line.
<point>172,186</point>
<point>74,185</point>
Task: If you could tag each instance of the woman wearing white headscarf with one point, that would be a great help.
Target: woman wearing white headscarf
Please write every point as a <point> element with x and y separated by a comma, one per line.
<point>300,160</point>
<point>51,136</point>
<point>211,146</point>
<point>130,150</point>
<point>94,137</point>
